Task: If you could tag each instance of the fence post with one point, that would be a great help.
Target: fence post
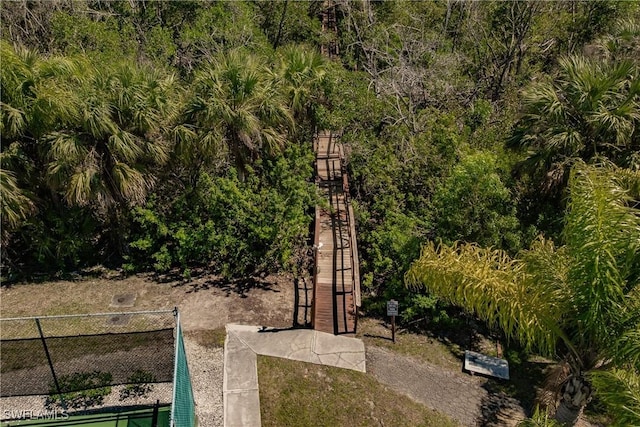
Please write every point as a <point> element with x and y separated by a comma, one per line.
<point>53,371</point>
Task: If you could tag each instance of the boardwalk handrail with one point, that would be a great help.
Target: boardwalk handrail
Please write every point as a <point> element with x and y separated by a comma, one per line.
<point>316,252</point>
<point>351,230</point>
<point>353,244</point>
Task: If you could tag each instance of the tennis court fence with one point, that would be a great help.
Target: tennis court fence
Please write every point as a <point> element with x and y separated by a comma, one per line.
<point>95,364</point>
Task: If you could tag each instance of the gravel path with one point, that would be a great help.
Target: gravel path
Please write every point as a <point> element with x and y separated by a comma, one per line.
<point>205,367</point>
<point>458,395</point>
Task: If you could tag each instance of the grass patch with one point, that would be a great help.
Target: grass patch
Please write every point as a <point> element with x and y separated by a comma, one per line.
<point>209,338</point>
<point>302,394</point>
<point>422,347</point>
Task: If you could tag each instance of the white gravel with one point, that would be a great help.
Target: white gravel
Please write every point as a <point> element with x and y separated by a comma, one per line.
<point>206,369</point>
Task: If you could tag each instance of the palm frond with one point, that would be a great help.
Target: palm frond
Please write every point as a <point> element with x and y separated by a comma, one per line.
<point>131,183</point>
<point>494,287</point>
<point>157,151</point>
<point>540,418</point>
<point>602,234</point>
<point>625,351</point>
<point>619,390</point>
<point>80,190</point>
<point>13,121</point>
<point>16,206</point>
<point>65,148</point>
<point>125,147</point>
<point>96,118</point>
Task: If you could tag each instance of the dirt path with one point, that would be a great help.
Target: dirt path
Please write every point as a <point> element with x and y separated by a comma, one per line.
<point>458,395</point>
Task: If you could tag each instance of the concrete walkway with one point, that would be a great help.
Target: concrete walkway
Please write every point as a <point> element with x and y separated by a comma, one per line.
<point>240,384</point>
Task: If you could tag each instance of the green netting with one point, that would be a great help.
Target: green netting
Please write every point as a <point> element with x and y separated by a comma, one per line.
<point>183,408</point>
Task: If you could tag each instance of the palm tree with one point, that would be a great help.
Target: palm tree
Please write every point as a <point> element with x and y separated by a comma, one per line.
<point>108,154</point>
<point>36,97</point>
<point>581,300</point>
<point>235,104</point>
<point>37,93</point>
<point>95,131</point>
<point>589,111</point>
<point>302,72</point>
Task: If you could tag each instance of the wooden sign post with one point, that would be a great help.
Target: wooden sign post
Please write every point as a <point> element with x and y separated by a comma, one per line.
<point>392,310</point>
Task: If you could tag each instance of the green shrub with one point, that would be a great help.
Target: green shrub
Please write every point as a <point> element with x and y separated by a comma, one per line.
<point>233,227</point>
<point>81,389</point>
<point>139,385</point>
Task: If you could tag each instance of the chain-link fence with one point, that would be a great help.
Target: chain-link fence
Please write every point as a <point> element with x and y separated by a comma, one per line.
<point>86,363</point>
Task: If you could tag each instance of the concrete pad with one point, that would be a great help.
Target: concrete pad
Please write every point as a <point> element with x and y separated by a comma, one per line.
<point>240,369</point>
<point>353,361</point>
<point>232,327</point>
<point>242,409</point>
<point>240,394</point>
<point>326,343</point>
<point>277,343</point>
<point>329,359</point>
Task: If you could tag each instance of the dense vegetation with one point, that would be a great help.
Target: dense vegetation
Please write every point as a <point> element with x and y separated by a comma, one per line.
<point>175,136</point>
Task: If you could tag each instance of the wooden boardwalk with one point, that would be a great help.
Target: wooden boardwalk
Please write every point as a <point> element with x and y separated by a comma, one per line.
<point>336,293</point>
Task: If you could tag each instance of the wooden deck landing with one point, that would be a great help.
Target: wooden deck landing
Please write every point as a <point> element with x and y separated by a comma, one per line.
<point>336,285</point>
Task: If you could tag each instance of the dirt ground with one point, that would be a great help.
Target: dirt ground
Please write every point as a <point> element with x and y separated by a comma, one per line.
<point>205,303</point>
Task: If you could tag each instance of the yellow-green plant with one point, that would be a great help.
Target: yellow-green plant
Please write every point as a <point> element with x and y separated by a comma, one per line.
<point>580,301</point>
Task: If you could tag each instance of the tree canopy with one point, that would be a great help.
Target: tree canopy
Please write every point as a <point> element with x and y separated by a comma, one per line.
<point>175,137</point>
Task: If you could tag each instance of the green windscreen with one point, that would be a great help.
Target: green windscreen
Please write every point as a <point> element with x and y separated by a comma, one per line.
<point>184,408</point>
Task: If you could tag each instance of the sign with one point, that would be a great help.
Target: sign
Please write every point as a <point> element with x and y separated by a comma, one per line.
<point>392,308</point>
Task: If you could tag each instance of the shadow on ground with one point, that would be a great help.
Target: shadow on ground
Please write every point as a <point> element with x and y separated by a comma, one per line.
<point>201,280</point>
<point>238,286</point>
<point>507,399</point>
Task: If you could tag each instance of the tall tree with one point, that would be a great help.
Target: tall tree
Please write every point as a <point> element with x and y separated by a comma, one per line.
<point>37,97</point>
<point>235,104</point>
<point>474,205</point>
<point>107,155</point>
<point>302,72</point>
<point>581,300</point>
<point>590,110</point>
